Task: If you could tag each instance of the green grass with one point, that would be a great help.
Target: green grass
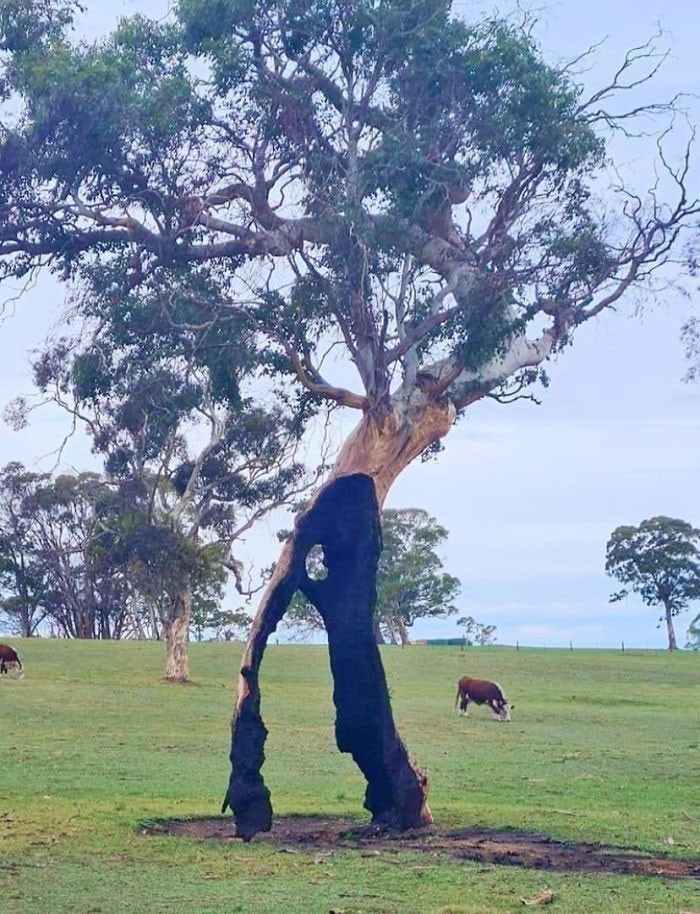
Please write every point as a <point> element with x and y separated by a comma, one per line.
<point>604,747</point>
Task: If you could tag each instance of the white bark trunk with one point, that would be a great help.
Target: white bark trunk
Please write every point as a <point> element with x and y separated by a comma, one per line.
<point>672,645</point>
<point>177,660</point>
<point>384,452</point>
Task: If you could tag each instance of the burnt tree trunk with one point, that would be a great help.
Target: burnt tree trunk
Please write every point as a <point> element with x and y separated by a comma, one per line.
<point>672,645</point>
<point>373,456</point>
<point>344,521</point>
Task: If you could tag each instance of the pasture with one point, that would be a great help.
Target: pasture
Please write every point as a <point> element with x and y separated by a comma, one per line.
<point>603,747</point>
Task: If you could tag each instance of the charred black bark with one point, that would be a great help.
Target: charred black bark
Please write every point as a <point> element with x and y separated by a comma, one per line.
<point>344,521</point>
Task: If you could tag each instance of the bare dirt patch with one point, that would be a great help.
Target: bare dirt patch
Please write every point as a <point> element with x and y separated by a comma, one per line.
<point>318,833</point>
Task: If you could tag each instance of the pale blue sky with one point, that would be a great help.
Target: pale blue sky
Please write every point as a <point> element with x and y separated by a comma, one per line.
<point>529,494</point>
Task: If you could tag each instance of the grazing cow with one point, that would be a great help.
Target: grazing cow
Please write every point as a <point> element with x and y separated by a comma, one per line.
<point>482,691</point>
<point>8,655</point>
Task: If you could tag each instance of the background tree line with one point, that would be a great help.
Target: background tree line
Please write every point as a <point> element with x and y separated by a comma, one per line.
<point>79,558</point>
<point>89,556</point>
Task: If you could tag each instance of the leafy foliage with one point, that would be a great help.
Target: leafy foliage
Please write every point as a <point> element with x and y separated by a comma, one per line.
<point>60,569</point>
<point>419,188</point>
<point>477,632</point>
<point>23,579</point>
<point>195,459</point>
<point>222,624</point>
<point>411,584</point>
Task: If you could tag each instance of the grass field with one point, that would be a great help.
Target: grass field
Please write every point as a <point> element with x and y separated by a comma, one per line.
<point>604,747</point>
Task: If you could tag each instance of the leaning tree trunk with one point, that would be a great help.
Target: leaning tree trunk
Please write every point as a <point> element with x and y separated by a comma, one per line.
<point>343,519</point>
<point>176,629</point>
<point>672,645</point>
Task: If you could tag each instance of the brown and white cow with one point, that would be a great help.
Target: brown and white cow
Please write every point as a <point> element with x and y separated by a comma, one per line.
<point>8,655</point>
<point>482,691</point>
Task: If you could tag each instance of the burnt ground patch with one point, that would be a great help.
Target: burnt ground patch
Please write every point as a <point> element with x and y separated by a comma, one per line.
<point>483,845</point>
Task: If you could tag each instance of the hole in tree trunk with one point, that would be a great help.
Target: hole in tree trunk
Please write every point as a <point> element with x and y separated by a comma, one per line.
<point>315,564</point>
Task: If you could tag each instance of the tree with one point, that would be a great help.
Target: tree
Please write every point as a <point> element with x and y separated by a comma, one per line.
<point>660,561</point>
<point>411,584</point>
<point>163,396</point>
<point>374,178</point>
<point>23,585</point>
<point>476,632</point>
<point>86,591</point>
<point>78,552</point>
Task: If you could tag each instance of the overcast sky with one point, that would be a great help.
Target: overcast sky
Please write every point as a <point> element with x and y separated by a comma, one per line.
<point>528,493</point>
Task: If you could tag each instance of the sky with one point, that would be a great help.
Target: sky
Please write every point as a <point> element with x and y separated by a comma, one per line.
<point>529,493</point>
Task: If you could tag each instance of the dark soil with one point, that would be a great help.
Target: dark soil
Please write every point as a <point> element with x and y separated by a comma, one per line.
<point>328,834</point>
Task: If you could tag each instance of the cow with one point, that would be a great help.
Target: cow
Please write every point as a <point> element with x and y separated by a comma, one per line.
<point>482,691</point>
<point>8,655</point>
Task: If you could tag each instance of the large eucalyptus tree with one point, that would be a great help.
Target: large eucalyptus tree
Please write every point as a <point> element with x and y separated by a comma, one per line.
<point>374,178</point>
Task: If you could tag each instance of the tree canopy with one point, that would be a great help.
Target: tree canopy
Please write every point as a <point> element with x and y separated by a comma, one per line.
<point>477,632</point>
<point>423,189</point>
<point>660,561</point>
<point>411,583</point>
<point>691,338</point>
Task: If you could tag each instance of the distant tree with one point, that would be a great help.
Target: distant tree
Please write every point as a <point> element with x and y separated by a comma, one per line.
<point>86,588</point>
<point>162,564</point>
<point>23,582</point>
<point>477,633</point>
<point>693,642</point>
<point>660,561</point>
<point>221,624</point>
<point>691,338</point>
<point>411,583</point>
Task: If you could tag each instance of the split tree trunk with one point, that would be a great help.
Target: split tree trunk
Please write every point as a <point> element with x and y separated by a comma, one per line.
<point>177,627</point>
<point>672,645</point>
<point>344,519</point>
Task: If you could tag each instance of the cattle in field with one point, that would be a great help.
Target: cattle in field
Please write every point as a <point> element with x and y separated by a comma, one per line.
<point>482,691</point>
<point>8,655</point>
